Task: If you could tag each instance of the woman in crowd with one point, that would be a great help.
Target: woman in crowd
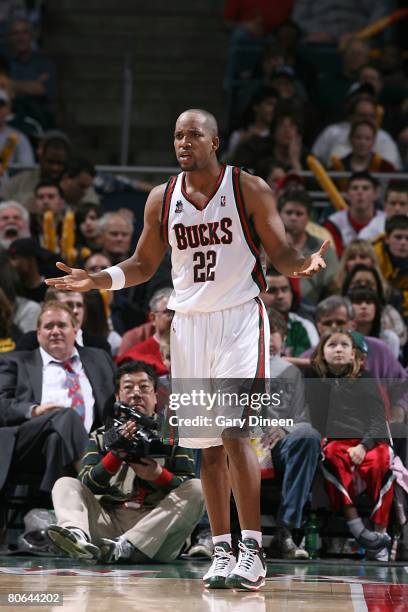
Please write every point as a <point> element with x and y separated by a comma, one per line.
<point>367,276</point>
<point>347,409</point>
<point>86,221</point>
<point>256,120</point>
<point>25,312</point>
<point>357,251</point>
<point>96,262</point>
<point>284,146</point>
<point>96,321</point>
<point>361,252</point>
<point>368,310</point>
<point>8,332</point>
<point>362,158</point>
<point>287,150</point>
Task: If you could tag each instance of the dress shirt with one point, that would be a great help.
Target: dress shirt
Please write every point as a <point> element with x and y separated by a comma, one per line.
<point>55,390</point>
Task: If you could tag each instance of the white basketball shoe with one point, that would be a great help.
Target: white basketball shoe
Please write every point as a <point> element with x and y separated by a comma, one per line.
<point>223,563</point>
<point>250,570</point>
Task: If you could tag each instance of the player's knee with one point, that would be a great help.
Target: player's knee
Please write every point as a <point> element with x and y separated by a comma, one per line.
<point>236,443</point>
<point>211,457</point>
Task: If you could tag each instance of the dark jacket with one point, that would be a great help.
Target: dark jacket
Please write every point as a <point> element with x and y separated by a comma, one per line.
<point>342,408</point>
<point>21,387</point>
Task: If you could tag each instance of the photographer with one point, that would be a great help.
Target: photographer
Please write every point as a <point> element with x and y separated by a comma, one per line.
<point>120,510</point>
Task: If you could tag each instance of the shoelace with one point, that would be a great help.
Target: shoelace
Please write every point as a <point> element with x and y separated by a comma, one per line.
<point>246,556</point>
<point>79,534</point>
<point>117,550</point>
<point>221,558</point>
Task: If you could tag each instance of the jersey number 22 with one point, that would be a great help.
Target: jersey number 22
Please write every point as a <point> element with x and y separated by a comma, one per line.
<point>204,264</point>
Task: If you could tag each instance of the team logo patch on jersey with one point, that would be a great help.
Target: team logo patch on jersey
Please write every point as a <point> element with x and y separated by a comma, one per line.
<point>179,206</point>
<point>223,200</point>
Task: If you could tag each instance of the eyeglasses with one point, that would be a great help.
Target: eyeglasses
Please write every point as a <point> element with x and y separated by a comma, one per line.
<point>143,388</point>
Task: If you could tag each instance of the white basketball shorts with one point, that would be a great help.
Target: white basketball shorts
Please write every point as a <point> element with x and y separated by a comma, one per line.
<point>226,344</point>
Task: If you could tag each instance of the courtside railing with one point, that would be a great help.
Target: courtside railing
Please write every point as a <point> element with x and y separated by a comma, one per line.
<point>160,173</point>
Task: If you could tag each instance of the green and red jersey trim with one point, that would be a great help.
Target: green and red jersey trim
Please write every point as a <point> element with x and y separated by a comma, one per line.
<point>164,226</point>
<point>208,200</point>
<point>250,235</point>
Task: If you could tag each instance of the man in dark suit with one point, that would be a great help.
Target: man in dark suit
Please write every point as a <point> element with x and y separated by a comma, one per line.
<point>50,398</point>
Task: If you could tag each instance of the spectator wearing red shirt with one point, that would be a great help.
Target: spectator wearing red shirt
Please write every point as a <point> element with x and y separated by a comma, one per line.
<point>149,350</point>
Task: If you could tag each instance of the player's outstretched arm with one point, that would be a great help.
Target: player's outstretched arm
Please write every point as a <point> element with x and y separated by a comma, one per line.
<point>261,208</point>
<point>138,269</point>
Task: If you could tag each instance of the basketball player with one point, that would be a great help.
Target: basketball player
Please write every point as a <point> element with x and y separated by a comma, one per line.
<point>214,218</point>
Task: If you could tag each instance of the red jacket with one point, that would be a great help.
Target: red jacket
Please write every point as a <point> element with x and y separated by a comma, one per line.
<point>147,351</point>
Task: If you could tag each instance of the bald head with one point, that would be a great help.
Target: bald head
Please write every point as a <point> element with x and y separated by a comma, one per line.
<point>196,141</point>
<point>206,119</point>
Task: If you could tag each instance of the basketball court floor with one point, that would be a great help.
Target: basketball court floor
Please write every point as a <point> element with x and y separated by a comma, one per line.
<point>340,586</point>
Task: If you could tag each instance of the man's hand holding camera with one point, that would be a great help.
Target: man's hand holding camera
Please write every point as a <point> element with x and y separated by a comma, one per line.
<point>134,435</point>
<point>127,430</point>
<point>147,469</point>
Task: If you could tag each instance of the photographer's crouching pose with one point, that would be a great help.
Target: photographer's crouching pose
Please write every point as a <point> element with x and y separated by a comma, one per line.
<point>125,505</point>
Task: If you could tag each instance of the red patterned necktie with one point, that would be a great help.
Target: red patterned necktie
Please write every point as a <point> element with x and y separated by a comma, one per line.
<point>74,388</point>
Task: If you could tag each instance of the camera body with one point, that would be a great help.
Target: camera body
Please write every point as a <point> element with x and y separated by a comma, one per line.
<point>146,440</point>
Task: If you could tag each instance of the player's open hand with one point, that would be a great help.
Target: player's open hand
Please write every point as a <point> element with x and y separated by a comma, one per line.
<point>314,263</point>
<point>76,279</point>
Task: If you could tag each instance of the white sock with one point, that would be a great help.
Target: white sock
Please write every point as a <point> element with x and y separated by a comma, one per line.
<point>78,532</point>
<point>225,537</point>
<point>356,526</point>
<point>255,535</point>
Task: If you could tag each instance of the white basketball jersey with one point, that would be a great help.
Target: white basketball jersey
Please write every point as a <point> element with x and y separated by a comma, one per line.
<point>215,251</point>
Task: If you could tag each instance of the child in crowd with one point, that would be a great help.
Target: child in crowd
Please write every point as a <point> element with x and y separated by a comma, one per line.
<point>347,409</point>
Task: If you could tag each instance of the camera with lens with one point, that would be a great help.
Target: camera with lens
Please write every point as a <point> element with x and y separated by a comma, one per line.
<point>145,442</point>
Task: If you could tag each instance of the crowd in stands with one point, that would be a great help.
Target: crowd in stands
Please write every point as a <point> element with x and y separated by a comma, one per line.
<point>338,339</point>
